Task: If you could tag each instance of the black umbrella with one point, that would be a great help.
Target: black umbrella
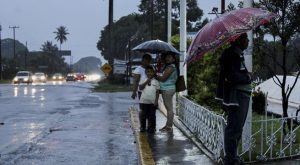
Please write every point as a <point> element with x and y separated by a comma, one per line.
<point>156,46</point>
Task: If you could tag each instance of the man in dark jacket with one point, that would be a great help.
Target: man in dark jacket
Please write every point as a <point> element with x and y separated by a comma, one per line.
<point>234,90</point>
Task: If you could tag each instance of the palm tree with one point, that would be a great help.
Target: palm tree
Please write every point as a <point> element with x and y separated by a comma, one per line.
<point>49,47</point>
<point>61,33</point>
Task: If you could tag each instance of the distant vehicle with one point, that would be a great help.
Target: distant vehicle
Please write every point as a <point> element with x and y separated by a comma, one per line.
<point>70,77</point>
<point>39,77</point>
<point>57,77</point>
<point>23,77</point>
<point>79,76</point>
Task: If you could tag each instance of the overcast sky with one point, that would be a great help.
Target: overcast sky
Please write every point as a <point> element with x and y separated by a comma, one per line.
<point>84,19</point>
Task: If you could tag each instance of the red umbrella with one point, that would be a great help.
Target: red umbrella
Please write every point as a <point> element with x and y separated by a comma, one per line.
<point>224,28</point>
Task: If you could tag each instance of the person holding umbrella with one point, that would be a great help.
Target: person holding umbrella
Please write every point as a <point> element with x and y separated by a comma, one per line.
<point>169,76</point>
<point>233,87</point>
<point>138,76</point>
<point>234,90</point>
<point>168,88</point>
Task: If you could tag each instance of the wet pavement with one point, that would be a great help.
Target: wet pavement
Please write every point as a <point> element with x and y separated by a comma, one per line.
<point>64,125</point>
<point>67,124</point>
<point>175,147</point>
<point>171,148</point>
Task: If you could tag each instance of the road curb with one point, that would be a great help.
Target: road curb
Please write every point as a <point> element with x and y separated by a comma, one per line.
<point>145,153</point>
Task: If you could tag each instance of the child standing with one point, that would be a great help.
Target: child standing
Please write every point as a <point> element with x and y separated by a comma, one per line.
<point>149,100</point>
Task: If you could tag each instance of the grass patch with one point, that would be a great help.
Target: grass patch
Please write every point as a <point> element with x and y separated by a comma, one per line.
<point>108,87</point>
<point>271,128</point>
<point>5,81</point>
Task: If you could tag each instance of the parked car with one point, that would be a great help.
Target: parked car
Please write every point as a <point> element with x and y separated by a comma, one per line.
<point>70,77</point>
<point>39,77</point>
<point>57,77</point>
<point>23,77</point>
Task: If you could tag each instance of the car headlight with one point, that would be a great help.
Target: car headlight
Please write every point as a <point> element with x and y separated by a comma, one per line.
<point>33,78</point>
<point>15,79</point>
<point>60,77</point>
<point>25,79</point>
<point>43,77</point>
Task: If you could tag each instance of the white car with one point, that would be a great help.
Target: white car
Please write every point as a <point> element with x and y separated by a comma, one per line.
<point>39,77</point>
<point>57,77</point>
<point>23,77</point>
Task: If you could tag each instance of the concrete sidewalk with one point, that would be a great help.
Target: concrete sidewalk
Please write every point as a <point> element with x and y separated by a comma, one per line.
<point>164,148</point>
<point>174,148</point>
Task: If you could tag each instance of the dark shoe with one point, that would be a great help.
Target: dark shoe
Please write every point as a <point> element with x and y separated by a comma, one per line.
<point>166,129</point>
<point>162,128</point>
<point>234,162</point>
<point>151,131</point>
<point>142,129</point>
<point>242,162</point>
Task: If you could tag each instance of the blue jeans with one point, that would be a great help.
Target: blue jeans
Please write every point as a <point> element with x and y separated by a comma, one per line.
<point>233,131</point>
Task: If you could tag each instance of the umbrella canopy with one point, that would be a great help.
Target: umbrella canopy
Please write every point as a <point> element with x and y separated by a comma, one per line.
<point>226,27</point>
<point>156,46</point>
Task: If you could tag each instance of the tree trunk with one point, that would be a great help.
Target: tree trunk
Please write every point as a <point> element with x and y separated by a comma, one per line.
<point>285,99</point>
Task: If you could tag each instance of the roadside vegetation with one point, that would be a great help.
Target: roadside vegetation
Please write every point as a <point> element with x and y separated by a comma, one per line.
<point>5,81</point>
<point>105,86</point>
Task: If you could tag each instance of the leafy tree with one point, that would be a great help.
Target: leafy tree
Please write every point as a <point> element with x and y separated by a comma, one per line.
<point>50,58</point>
<point>49,47</point>
<point>133,29</point>
<point>128,31</point>
<point>61,35</point>
<point>285,28</point>
<point>157,16</point>
<point>175,40</point>
<point>202,79</point>
<point>194,15</point>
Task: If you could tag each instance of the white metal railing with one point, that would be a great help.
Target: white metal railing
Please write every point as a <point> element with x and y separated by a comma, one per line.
<point>208,127</point>
<point>267,142</point>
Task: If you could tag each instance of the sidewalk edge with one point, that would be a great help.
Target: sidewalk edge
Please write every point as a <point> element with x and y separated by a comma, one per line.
<point>145,153</point>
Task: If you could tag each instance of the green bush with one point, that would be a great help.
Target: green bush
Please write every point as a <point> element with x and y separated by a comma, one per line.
<point>258,102</point>
<point>202,79</point>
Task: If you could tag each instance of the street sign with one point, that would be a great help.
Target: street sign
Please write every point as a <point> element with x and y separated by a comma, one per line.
<point>106,68</point>
<point>64,52</point>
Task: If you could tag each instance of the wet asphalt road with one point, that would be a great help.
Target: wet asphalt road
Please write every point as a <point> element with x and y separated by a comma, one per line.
<point>64,124</point>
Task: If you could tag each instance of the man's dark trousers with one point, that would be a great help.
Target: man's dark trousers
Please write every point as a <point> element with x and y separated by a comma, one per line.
<point>235,122</point>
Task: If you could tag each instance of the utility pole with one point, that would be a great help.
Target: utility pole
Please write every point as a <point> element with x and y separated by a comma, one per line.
<point>25,57</point>
<point>0,54</point>
<point>222,6</point>
<point>71,63</point>
<point>14,32</point>
<point>249,51</point>
<point>169,20</point>
<point>110,23</point>
<point>183,69</point>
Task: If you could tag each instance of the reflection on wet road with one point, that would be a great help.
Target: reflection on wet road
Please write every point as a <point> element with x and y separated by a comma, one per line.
<point>64,123</point>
